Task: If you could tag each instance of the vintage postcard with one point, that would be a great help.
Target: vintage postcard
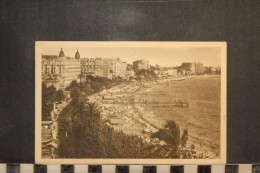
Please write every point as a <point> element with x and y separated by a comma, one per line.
<point>130,102</point>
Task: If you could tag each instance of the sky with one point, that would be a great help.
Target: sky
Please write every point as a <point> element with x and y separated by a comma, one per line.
<point>209,56</point>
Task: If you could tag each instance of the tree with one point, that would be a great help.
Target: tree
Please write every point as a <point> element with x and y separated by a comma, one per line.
<point>48,99</point>
<point>60,96</point>
<point>171,135</point>
<point>147,74</point>
<point>157,67</point>
<point>152,73</point>
<point>184,138</point>
<point>73,84</point>
<point>75,93</point>
<point>92,110</point>
<point>141,72</point>
<point>49,96</point>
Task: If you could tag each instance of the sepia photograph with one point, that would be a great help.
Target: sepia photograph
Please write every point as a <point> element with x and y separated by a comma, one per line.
<point>130,102</point>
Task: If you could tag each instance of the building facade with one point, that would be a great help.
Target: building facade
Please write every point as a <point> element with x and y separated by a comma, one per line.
<point>60,70</point>
<point>103,67</point>
<point>168,71</point>
<point>192,68</point>
<point>118,68</point>
<point>140,64</point>
<point>199,68</point>
<point>96,67</point>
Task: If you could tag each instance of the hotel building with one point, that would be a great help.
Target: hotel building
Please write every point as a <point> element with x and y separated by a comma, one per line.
<point>192,67</point>
<point>103,67</point>
<point>118,68</point>
<point>96,67</point>
<point>199,68</point>
<point>60,70</point>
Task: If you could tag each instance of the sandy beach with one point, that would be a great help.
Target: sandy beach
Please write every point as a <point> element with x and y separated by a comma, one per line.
<point>201,118</point>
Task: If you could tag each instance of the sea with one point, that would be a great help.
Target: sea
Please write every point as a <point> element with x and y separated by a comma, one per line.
<point>201,118</point>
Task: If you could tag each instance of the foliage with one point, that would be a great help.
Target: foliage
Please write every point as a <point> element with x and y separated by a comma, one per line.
<point>92,109</point>
<point>208,70</point>
<point>184,138</point>
<point>83,134</point>
<point>89,137</point>
<point>146,73</point>
<point>92,85</point>
<point>49,96</point>
<point>73,84</point>
<point>171,135</point>
<point>156,67</point>
<point>60,96</point>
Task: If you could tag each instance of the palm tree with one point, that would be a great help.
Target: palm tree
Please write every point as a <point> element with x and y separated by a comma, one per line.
<point>184,138</point>
<point>171,135</point>
<point>92,109</point>
<point>174,131</point>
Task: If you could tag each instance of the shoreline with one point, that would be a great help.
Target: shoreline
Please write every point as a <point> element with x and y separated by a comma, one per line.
<point>193,139</point>
<point>137,117</point>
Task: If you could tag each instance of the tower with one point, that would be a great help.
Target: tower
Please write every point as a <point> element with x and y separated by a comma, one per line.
<point>77,55</point>
<point>61,53</point>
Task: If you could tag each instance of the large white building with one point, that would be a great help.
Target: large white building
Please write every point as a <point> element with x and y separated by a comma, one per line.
<point>96,67</point>
<point>118,68</point>
<point>192,67</point>
<point>103,67</point>
<point>59,70</point>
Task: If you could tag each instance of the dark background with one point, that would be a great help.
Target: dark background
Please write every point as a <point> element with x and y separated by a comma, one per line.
<point>23,22</point>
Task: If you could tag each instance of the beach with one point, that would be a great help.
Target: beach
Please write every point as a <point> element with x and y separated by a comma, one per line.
<point>132,108</point>
<point>201,118</point>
